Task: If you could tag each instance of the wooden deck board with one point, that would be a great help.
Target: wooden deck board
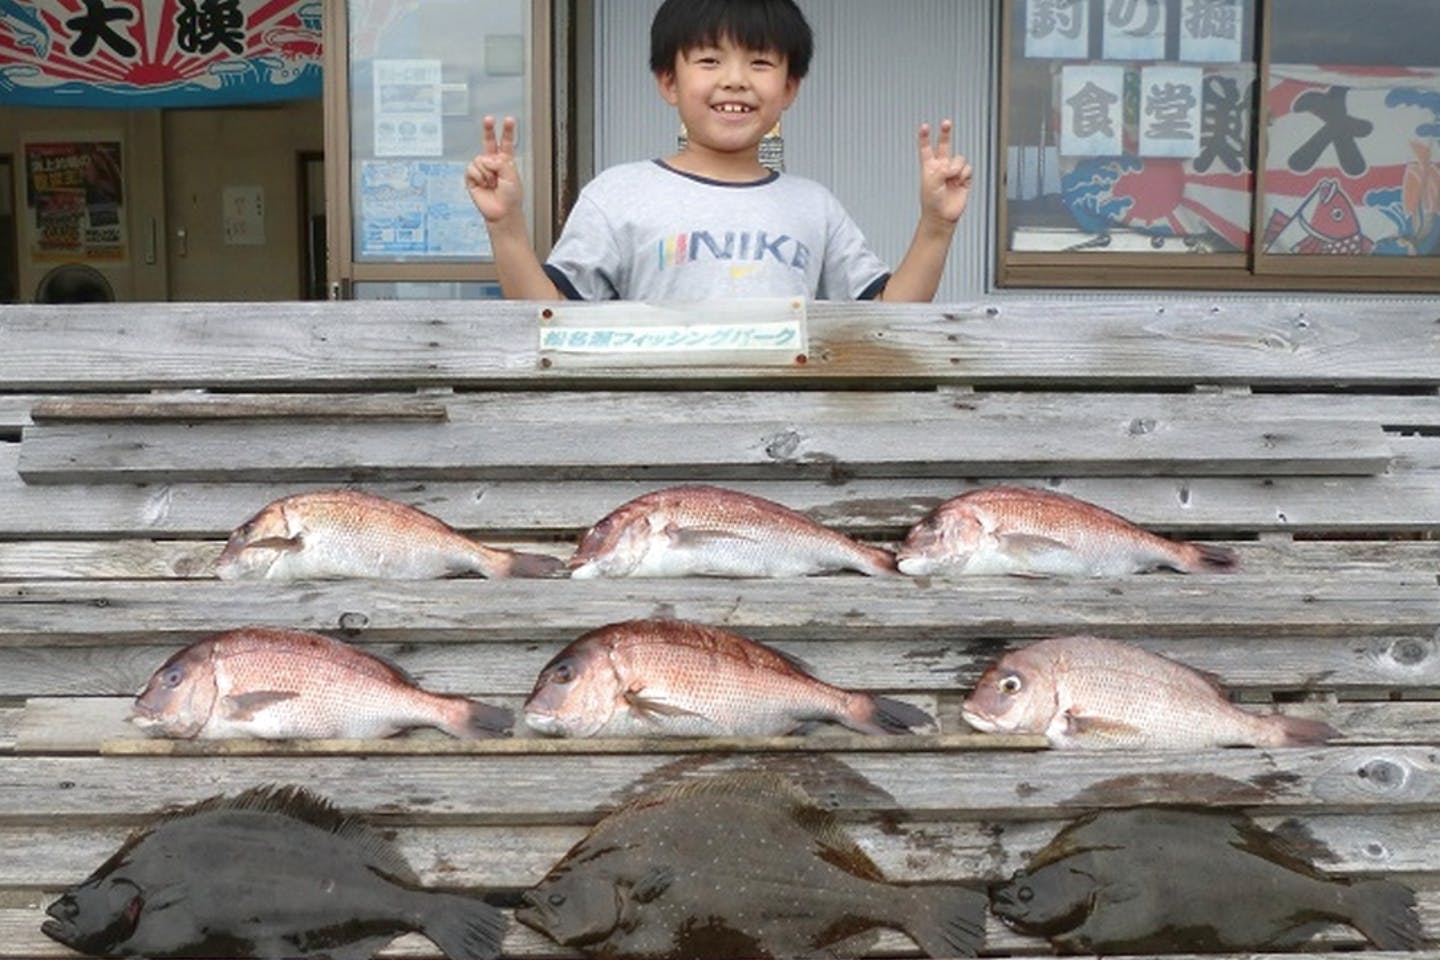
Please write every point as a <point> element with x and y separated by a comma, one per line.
<point>1315,606</point>
<point>987,447</point>
<point>1357,665</point>
<point>560,788</point>
<point>1047,341</point>
<point>1405,499</point>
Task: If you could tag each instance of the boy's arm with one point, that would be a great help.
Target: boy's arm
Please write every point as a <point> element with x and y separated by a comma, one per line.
<point>493,181</point>
<point>944,193</point>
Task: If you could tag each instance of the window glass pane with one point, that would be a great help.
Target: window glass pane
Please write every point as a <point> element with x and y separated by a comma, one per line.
<point>1352,162</point>
<point>422,78</point>
<point>1129,125</point>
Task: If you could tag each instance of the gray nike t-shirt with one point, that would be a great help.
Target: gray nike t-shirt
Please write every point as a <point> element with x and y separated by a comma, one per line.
<point>645,231</point>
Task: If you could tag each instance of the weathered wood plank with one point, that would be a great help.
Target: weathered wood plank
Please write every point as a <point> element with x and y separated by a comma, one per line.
<point>100,725</point>
<point>192,559</point>
<point>803,608</point>
<point>103,453</point>
<point>1405,499</point>
<point>1077,341</point>
<point>191,406</point>
<point>574,788</point>
<point>1396,413</point>
<point>1360,666</point>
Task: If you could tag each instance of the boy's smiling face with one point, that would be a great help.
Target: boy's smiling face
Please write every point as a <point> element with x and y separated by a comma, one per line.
<point>728,97</point>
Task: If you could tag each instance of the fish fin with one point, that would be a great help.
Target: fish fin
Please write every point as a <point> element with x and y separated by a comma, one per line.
<point>649,707</point>
<point>244,706</point>
<point>285,544</point>
<point>464,928</point>
<point>1079,725</point>
<point>1030,546</point>
<point>1299,732</point>
<point>946,919</point>
<point>883,715</point>
<point>303,806</point>
<point>702,536</point>
<point>1210,558</point>
<point>529,566</point>
<point>654,883</point>
<point>1384,911</point>
<point>483,720</point>
<point>360,950</point>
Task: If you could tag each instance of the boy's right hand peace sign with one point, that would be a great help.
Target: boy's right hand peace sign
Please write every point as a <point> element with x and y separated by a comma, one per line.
<point>492,178</point>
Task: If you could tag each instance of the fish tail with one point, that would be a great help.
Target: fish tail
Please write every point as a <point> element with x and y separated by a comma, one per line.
<point>1384,911</point>
<point>473,720</point>
<point>946,919</point>
<point>882,715</point>
<point>1210,558</point>
<point>878,562</point>
<point>1297,731</point>
<point>502,564</point>
<point>464,928</point>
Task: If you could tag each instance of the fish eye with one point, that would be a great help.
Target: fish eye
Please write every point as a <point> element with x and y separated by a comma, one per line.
<point>172,677</point>
<point>556,899</point>
<point>1011,683</point>
<point>1025,894</point>
<point>563,672</point>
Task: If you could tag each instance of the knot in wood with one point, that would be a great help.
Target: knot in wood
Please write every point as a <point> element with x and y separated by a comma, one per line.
<point>352,621</point>
<point>1410,651</point>
<point>1141,426</point>
<point>782,446</point>
<point>1384,774</point>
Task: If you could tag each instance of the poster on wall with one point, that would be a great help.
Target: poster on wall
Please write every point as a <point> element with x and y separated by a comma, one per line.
<point>1353,163</point>
<point>75,201</point>
<point>419,208</point>
<point>146,54</point>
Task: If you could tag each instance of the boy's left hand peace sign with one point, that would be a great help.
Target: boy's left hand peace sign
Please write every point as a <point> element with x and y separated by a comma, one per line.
<point>944,179</point>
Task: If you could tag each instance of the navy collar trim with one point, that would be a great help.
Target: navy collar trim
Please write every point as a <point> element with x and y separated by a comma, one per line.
<point>770,177</point>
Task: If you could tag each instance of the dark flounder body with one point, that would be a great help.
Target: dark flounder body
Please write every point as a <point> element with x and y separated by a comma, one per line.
<point>742,865</point>
<point>272,873</point>
<point>1182,881</point>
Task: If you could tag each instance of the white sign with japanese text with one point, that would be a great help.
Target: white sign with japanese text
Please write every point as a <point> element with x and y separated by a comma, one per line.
<point>1170,99</point>
<point>1091,110</point>
<point>1210,31</point>
<point>757,332</point>
<point>1057,28</point>
<point>1134,30</point>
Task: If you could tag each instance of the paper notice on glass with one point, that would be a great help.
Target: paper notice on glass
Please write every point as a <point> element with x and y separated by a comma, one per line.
<point>1057,28</point>
<point>408,102</point>
<point>1091,110</point>
<point>1170,99</point>
<point>243,216</point>
<point>731,333</point>
<point>1210,31</point>
<point>1134,30</point>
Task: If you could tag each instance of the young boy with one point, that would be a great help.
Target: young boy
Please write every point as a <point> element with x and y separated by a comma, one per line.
<point>711,221</point>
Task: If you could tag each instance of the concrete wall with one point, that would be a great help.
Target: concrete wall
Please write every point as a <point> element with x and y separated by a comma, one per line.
<point>176,165</point>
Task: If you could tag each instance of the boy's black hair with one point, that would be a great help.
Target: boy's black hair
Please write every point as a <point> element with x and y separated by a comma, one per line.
<point>778,25</point>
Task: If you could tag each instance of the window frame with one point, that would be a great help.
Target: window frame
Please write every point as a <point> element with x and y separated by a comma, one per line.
<point>1251,270</point>
<point>343,269</point>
